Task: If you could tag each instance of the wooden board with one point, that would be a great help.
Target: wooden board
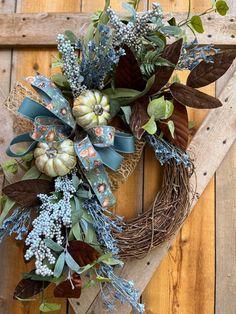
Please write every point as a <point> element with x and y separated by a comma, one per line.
<point>41,29</point>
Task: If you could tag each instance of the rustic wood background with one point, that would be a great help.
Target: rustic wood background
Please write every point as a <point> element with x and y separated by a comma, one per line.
<point>198,275</point>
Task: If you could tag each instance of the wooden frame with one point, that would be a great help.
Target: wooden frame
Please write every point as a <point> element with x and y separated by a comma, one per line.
<point>41,29</point>
<point>220,124</point>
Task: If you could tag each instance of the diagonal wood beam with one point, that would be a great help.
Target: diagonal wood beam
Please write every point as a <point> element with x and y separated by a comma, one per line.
<point>41,29</point>
<point>208,148</point>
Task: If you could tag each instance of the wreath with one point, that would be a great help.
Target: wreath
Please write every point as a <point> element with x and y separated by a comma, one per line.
<point>85,130</point>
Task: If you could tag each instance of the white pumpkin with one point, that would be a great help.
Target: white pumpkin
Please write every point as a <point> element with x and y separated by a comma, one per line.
<point>91,108</point>
<point>55,159</point>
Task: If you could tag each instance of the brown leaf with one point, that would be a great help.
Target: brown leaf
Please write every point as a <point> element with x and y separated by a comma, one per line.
<point>139,116</point>
<point>128,73</point>
<point>180,119</point>
<point>27,288</point>
<point>25,192</point>
<point>191,97</point>
<point>82,252</point>
<point>163,73</point>
<point>65,289</point>
<point>206,73</point>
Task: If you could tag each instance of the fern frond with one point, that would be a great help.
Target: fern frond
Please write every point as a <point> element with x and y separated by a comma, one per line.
<point>150,61</point>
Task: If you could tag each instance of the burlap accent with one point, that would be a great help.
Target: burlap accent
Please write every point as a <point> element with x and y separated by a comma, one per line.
<point>21,125</point>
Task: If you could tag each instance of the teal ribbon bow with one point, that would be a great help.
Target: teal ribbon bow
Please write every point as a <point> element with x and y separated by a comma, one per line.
<point>53,121</point>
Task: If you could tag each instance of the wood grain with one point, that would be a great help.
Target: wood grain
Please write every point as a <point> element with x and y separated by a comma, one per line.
<point>41,29</point>
<point>226,220</point>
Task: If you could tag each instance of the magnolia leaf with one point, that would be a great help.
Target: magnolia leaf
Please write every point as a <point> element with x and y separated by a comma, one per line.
<point>65,289</point>
<point>59,265</point>
<point>139,116</point>
<point>82,253</point>
<point>10,166</point>
<point>164,73</point>
<point>26,192</point>
<point>150,126</point>
<point>196,23</point>
<point>53,245</point>
<point>191,97</point>
<point>160,108</point>
<point>128,73</point>
<point>171,128</point>
<point>208,72</point>
<point>49,307</point>
<point>222,7</point>
<point>27,288</point>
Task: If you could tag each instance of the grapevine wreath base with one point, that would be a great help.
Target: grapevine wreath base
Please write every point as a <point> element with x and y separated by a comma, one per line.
<point>169,209</point>
<point>86,126</point>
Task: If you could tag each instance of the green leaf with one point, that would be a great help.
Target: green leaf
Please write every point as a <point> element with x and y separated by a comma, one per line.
<point>71,36</point>
<point>9,204</point>
<point>71,263</point>
<point>10,166</point>
<point>131,10</point>
<point>160,108</point>
<point>196,23</point>
<point>76,210</point>
<point>49,307</point>
<point>32,173</point>
<point>28,157</point>
<point>76,181</point>
<point>3,199</point>
<point>175,79</point>
<point>102,279</point>
<point>60,80</point>
<point>150,126</point>
<point>89,34</point>
<point>191,124</point>
<point>59,265</point>
<point>53,245</point>
<point>77,232</point>
<point>121,93</point>
<point>113,261</point>
<point>172,31</point>
<point>171,128</point>
<point>222,7</point>
<point>127,113</point>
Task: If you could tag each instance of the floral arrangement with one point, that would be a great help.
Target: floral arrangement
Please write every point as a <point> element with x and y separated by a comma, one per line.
<point>116,87</point>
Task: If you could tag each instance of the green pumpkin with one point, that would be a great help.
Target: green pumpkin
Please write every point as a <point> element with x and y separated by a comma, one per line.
<point>91,108</point>
<point>56,158</point>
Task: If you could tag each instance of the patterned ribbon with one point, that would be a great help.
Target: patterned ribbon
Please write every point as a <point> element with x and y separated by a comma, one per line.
<point>54,122</point>
<point>100,147</point>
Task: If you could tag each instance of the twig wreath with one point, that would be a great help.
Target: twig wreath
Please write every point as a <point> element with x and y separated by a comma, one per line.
<point>86,127</point>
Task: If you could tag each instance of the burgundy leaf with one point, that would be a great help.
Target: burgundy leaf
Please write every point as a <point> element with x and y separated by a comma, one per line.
<point>206,73</point>
<point>66,290</point>
<point>139,116</point>
<point>82,252</point>
<point>180,119</point>
<point>128,73</point>
<point>25,192</point>
<point>191,97</point>
<point>163,73</point>
<point>27,288</point>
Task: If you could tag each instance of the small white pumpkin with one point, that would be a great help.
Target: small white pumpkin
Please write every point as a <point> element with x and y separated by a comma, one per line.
<point>55,159</point>
<point>91,108</point>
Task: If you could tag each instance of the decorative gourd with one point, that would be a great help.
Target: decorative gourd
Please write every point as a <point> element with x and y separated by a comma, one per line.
<point>91,108</point>
<point>55,159</point>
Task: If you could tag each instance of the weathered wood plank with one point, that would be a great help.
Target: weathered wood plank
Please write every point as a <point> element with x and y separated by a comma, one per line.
<point>226,219</point>
<point>41,29</point>
<point>168,288</point>
<point>219,130</point>
<point>225,235</point>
